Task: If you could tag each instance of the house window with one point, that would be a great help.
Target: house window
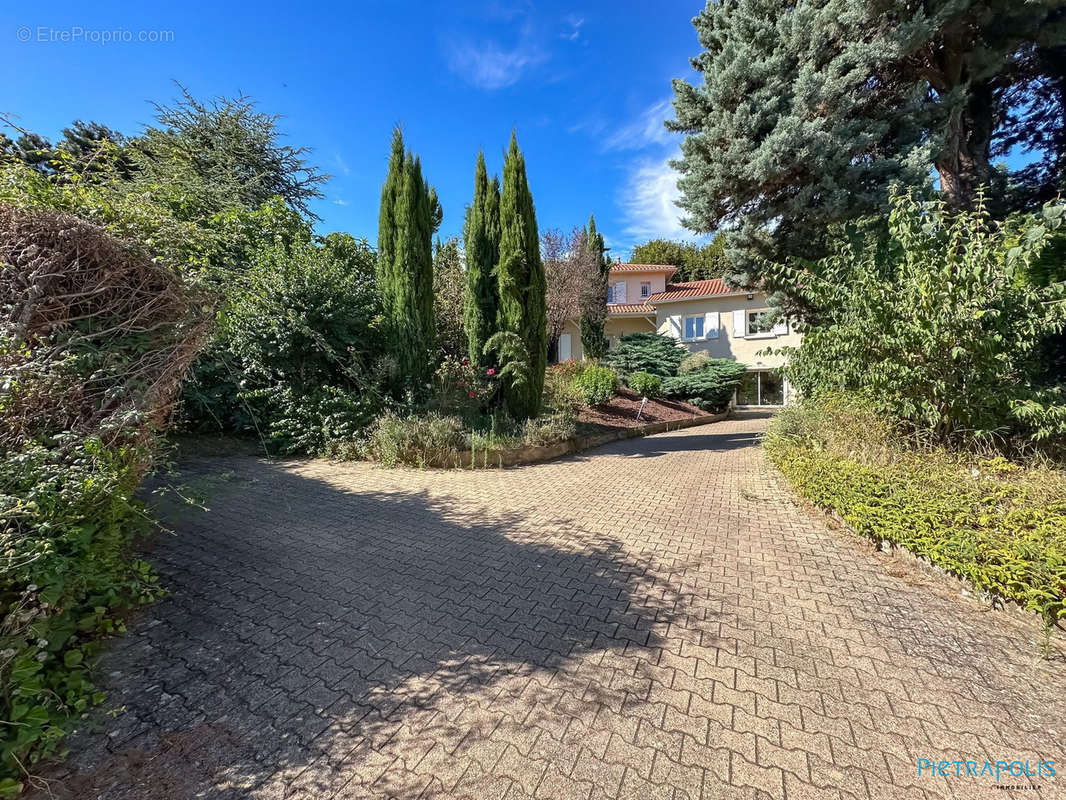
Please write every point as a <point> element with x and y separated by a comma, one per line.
<point>759,322</point>
<point>610,294</point>
<point>645,289</point>
<point>761,388</point>
<point>694,327</point>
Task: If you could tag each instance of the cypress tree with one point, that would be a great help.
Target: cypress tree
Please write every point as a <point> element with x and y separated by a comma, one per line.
<point>409,215</point>
<point>523,308</point>
<point>481,236</point>
<point>594,313</point>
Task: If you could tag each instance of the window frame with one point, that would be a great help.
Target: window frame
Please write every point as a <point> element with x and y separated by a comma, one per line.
<point>749,333</point>
<point>684,327</point>
<point>645,290</point>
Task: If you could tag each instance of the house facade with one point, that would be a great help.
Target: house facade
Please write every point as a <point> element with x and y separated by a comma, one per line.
<point>705,316</point>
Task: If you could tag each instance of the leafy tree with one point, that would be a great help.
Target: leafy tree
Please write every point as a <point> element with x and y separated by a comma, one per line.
<point>449,285</point>
<point>594,305</point>
<point>481,237</point>
<point>809,111</point>
<point>694,262</point>
<point>523,309</point>
<point>409,213</point>
<point>647,352</point>
<point>935,327</point>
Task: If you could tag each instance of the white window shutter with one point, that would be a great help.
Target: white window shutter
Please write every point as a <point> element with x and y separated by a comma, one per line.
<point>620,292</point>
<point>781,327</point>
<point>710,325</point>
<point>738,322</point>
<point>675,326</point>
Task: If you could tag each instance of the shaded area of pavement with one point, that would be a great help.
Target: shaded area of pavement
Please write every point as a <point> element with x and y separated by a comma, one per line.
<point>651,619</point>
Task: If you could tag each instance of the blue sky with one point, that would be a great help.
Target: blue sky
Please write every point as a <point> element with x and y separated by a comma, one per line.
<point>586,85</point>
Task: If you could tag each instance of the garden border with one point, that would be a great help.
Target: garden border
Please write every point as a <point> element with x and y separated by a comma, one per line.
<point>533,454</point>
<point>946,579</point>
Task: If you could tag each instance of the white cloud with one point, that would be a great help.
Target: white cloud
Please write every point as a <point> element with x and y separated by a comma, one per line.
<point>339,202</point>
<point>573,23</point>
<point>648,202</point>
<point>488,65</point>
<point>647,129</point>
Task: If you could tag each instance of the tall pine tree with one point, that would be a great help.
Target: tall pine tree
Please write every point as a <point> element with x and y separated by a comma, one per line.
<point>522,285</point>
<point>594,312</point>
<point>409,215</point>
<point>808,110</point>
<point>481,237</point>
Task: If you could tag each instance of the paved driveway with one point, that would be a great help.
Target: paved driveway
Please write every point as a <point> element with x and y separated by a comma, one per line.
<point>652,619</point>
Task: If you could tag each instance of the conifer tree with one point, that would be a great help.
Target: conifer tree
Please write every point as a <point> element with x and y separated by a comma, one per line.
<point>809,110</point>
<point>481,237</point>
<point>523,309</point>
<point>594,312</point>
<point>409,215</point>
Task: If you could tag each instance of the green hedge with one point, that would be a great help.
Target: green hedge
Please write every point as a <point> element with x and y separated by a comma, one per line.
<point>1001,526</point>
<point>66,571</point>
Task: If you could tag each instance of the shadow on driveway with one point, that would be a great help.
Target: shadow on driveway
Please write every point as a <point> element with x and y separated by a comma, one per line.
<point>304,622</point>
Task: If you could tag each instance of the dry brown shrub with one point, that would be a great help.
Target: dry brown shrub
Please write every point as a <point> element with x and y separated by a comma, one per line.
<point>95,337</point>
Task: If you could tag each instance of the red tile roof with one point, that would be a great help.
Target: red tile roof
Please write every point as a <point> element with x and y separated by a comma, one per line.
<point>667,268</point>
<point>629,308</point>
<point>691,289</point>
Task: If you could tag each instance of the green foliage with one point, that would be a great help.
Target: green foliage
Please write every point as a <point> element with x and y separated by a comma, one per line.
<point>227,152</point>
<point>523,309</point>
<point>561,396</point>
<point>597,384</point>
<point>463,389</point>
<point>594,312</point>
<point>409,216</point>
<point>710,387</point>
<point>304,335</point>
<point>646,384</point>
<point>419,441</point>
<point>449,285</point>
<point>481,236</point>
<point>999,525</point>
<point>934,325</point>
<point>516,374</point>
<point>93,347</point>
<point>647,352</point>
<point>693,362</point>
<point>806,113</point>
<point>694,262</point>
<point>66,569</point>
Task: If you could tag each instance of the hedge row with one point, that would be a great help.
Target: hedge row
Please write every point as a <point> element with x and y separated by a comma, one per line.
<point>997,525</point>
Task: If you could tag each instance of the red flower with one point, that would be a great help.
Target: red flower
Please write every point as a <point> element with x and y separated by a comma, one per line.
<point>471,394</point>
<point>490,372</point>
<point>465,362</point>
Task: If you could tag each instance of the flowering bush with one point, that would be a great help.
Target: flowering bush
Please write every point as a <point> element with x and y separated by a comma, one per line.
<point>461,388</point>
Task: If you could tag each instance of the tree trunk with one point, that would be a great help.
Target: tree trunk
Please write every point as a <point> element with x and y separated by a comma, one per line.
<point>964,164</point>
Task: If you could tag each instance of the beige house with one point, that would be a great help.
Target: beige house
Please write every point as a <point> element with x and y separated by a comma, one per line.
<point>704,316</point>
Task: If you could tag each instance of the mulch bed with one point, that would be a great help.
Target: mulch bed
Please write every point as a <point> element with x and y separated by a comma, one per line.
<point>621,412</point>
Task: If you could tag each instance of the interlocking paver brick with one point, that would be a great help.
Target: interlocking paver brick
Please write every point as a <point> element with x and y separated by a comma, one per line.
<point>655,618</point>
